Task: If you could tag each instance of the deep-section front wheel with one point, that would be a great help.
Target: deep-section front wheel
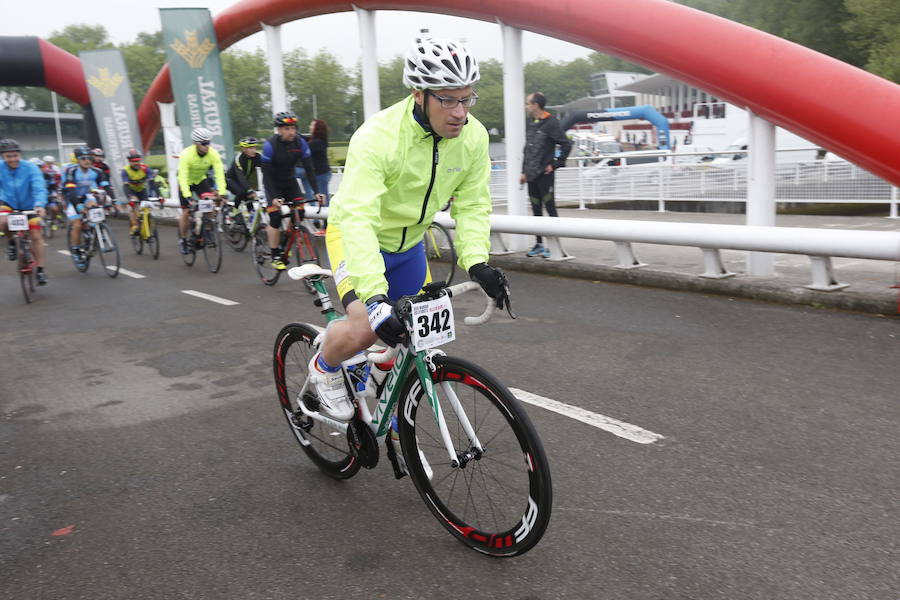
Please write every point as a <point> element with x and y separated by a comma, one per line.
<point>497,498</point>
<point>440,252</point>
<point>212,247</point>
<point>326,446</point>
<point>108,250</point>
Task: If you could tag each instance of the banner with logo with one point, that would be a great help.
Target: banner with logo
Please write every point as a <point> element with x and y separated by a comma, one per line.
<point>113,105</point>
<point>196,73</point>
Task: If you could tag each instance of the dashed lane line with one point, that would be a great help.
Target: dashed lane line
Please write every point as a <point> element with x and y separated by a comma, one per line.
<point>613,426</point>
<point>121,270</point>
<point>210,297</point>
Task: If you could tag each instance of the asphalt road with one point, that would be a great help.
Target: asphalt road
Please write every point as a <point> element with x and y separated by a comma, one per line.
<point>144,454</point>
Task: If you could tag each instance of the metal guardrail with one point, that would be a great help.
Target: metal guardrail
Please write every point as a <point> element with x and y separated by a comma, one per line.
<point>676,179</point>
<point>820,245</point>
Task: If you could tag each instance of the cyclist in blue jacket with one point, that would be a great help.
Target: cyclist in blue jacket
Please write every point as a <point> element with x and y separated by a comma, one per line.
<point>78,181</point>
<point>22,187</point>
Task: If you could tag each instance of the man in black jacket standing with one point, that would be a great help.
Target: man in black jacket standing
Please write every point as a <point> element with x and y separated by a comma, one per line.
<point>543,134</point>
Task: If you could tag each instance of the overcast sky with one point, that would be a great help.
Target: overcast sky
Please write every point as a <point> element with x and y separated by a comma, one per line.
<point>336,32</point>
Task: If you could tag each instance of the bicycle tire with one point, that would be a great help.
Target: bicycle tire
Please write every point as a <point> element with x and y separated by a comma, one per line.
<point>440,253</point>
<point>496,503</point>
<point>262,258</point>
<point>191,255</point>
<point>294,348</point>
<point>237,233</point>
<point>26,269</point>
<point>212,246</point>
<point>153,243</point>
<point>108,249</point>
<point>137,241</point>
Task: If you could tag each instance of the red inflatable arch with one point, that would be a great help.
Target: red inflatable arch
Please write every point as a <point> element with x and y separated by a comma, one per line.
<point>840,107</point>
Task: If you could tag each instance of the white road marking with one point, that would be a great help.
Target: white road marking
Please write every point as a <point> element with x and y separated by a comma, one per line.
<point>210,297</point>
<point>127,272</point>
<point>66,252</point>
<point>614,426</point>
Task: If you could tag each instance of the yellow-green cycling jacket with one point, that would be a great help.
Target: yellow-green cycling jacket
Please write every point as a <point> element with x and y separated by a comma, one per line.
<point>192,169</point>
<point>396,178</point>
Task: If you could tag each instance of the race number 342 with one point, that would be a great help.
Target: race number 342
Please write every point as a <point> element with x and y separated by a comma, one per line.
<point>433,323</point>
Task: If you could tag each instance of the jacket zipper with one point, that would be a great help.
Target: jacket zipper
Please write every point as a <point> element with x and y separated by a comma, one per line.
<point>434,164</point>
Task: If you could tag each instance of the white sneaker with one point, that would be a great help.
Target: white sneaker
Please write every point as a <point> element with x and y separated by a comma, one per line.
<point>332,392</point>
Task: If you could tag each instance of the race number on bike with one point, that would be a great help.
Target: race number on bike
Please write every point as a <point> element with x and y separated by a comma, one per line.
<point>17,222</point>
<point>432,323</point>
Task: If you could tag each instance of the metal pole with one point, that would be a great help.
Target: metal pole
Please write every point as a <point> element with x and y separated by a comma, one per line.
<point>761,190</point>
<point>365,19</point>
<point>513,124</point>
<point>315,107</point>
<point>59,145</point>
<point>276,68</point>
<point>581,205</point>
<point>893,202</point>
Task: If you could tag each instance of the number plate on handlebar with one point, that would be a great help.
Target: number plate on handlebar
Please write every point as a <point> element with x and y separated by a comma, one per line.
<point>96,215</point>
<point>146,204</point>
<point>204,205</point>
<point>432,323</point>
<point>17,222</point>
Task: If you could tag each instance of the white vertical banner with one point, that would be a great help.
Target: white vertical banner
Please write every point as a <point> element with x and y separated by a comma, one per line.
<point>173,142</point>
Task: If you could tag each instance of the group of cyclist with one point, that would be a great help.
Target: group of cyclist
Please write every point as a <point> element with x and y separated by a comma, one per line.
<point>402,166</point>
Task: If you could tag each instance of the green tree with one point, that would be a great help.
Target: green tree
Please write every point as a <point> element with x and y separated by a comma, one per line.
<point>874,28</point>
<point>143,58</point>
<point>816,24</point>
<point>249,97</point>
<point>319,87</point>
<point>489,109</point>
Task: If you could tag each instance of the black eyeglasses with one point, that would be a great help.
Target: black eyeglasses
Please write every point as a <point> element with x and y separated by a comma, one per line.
<point>450,103</point>
<point>203,143</point>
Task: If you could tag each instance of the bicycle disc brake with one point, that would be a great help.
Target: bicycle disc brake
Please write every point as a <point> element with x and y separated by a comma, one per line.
<point>362,443</point>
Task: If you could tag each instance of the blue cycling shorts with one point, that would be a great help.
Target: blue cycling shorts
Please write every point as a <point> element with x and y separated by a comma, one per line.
<point>405,272</point>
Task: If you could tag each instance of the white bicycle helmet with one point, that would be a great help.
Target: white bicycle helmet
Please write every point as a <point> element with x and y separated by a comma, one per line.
<point>435,64</point>
<point>201,134</point>
<point>49,159</point>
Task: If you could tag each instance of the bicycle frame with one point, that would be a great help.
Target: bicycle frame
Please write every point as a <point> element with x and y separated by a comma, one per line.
<point>405,359</point>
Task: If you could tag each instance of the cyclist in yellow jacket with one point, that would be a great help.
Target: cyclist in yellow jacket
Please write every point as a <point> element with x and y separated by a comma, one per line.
<point>194,164</point>
<point>402,166</point>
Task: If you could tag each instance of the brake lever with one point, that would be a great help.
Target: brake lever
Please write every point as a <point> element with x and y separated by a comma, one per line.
<point>504,281</point>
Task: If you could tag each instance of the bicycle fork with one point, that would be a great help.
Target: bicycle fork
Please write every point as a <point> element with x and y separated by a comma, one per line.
<point>457,460</point>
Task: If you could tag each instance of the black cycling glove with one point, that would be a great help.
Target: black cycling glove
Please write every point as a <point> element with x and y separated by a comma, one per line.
<point>492,281</point>
<point>384,322</point>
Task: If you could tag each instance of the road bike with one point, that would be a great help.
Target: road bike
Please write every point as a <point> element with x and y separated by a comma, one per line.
<point>203,234</point>
<point>440,252</point>
<point>296,239</point>
<point>146,233</point>
<point>458,432</point>
<point>96,240</point>
<point>17,223</point>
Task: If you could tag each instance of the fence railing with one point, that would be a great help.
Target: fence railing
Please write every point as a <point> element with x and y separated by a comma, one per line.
<point>682,177</point>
